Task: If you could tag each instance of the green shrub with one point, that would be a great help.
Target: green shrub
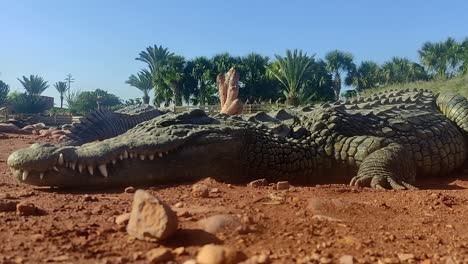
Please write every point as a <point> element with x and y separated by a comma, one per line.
<point>80,103</point>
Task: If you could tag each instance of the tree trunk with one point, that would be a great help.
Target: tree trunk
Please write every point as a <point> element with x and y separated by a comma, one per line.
<point>337,85</point>
<point>61,101</point>
<point>228,85</point>
<point>177,95</point>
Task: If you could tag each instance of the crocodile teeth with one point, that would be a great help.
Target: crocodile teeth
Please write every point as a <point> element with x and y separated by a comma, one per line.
<point>41,176</point>
<point>61,160</point>
<point>125,154</point>
<point>103,169</point>
<point>25,175</point>
<point>132,155</point>
<point>80,168</point>
<point>114,161</point>
<point>55,168</point>
<point>151,156</point>
<point>91,170</point>
<point>121,157</point>
<point>160,154</point>
<point>73,165</point>
<point>142,157</point>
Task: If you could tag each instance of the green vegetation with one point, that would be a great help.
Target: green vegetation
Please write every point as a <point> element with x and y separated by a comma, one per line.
<point>62,88</point>
<point>84,102</point>
<point>295,78</point>
<point>339,62</point>
<point>457,85</point>
<point>143,82</point>
<point>4,90</point>
<point>292,72</point>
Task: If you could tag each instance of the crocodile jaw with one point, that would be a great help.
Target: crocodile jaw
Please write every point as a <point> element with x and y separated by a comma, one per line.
<point>201,155</point>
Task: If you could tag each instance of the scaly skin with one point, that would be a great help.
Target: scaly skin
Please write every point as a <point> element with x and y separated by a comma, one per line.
<point>383,141</point>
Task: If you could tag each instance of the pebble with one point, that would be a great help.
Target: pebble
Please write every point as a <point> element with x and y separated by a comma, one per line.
<point>405,257</point>
<point>151,219</point>
<point>282,185</point>
<point>89,198</point>
<point>200,190</point>
<point>159,255</point>
<point>130,189</point>
<point>258,183</point>
<point>346,259</point>
<point>215,254</point>
<point>179,251</point>
<point>122,219</point>
<point>216,223</point>
<point>25,209</point>
<point>7,205</point>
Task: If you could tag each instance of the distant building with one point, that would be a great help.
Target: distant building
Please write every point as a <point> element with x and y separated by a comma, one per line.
<point>49,100</point>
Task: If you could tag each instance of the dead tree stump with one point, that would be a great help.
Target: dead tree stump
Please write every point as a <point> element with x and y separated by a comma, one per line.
<point>228,85</point>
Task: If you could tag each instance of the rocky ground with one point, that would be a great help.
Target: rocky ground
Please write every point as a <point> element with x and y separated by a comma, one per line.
<point>265,224</point>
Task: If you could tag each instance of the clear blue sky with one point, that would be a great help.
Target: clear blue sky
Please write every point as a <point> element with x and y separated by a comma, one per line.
<point>97,40</point>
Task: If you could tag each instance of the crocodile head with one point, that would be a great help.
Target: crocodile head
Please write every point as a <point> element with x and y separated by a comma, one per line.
<point>165,149</point>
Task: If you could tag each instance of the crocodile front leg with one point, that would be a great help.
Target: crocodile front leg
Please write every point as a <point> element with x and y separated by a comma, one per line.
<point>390,167</point>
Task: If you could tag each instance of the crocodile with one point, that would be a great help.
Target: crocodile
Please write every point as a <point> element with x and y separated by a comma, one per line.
<point>385,140</point>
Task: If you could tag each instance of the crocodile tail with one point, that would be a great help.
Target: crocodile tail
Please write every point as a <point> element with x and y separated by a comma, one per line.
<point>455,108</point>
<point>102,124</point>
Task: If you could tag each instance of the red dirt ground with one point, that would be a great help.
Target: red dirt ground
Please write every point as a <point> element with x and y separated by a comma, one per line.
<point>300,225</point>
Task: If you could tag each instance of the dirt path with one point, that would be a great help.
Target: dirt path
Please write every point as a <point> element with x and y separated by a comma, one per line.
<point>299,225</point>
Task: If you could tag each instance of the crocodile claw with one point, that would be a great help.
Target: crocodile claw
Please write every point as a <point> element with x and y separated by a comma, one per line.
<point>381,182</point>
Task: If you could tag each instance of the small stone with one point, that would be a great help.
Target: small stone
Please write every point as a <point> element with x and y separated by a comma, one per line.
<point>282,185</point>
<point>25,209</point>
<point>159,255</point>
<point>7,205</point>
<point>151,219</point>
<point>200,190</point>
<point>215,190</point>
<point>216,223</point>
<point>325,260</point>
<point>405,257</point>
<point>346,259</point>
<point>179,205</point>
<point>258,183</point>
<point>179,251</point>
<point>130,189</point>
<point>89,198</point>
<point>122,219</point>
<point>183,213</point>
<point>214,254</point>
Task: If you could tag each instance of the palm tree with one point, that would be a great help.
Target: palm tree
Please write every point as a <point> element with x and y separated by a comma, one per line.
<point>464,56</point>
<point>34,85</point>
<point>291,71</point>
<point>367,76</point>
<point>62,88</point>
<point>223,62</point>
<point>443,58</point>
<point>202,71</point>
<point>142,81</point>
<point>339,62</point>
<point>156,57</point>
<point>172,75</point>
<point>402,70</point>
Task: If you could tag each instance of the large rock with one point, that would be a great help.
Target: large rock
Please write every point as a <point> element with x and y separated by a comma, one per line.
<point>10,128</point>
<point>151,219</point>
